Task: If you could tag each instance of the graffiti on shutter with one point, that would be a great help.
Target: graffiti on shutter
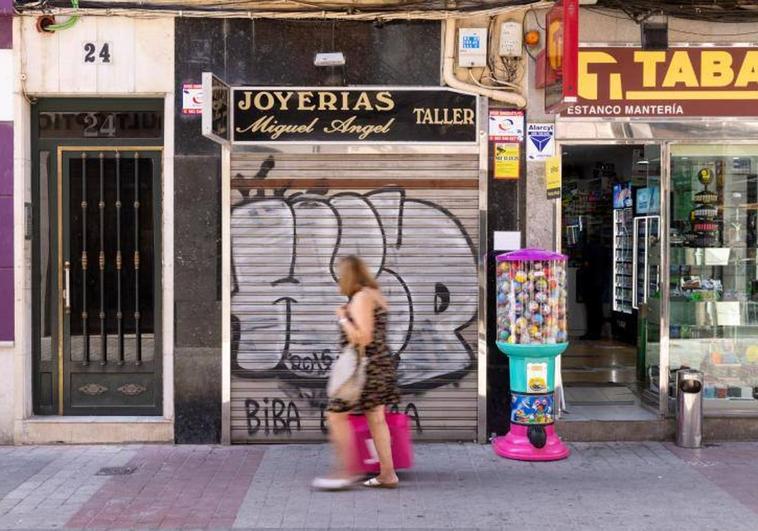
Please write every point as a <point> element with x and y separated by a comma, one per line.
<point>285,250</point>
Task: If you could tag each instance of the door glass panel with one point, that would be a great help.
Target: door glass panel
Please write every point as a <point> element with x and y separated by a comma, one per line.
<point>45,259</point>
<point>111,290</point>
<point>714,274</point>
<point>46,287</point>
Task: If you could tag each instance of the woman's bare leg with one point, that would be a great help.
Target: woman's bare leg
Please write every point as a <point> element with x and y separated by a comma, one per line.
<point>380,432</point>
<point>341,435</point>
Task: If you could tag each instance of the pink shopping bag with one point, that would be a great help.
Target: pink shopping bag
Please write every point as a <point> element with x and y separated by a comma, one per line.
<point>402,446</point>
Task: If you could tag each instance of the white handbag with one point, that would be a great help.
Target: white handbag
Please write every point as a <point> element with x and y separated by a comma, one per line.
<point>348,375</point>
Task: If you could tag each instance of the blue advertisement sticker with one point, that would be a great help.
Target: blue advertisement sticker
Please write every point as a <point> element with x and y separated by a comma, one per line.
<point>532,409</point>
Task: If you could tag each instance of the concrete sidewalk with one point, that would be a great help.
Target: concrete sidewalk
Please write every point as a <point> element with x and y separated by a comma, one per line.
<point>453,486</point>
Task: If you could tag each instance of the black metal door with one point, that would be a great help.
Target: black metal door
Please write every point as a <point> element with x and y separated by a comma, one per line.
<point>109,263</point>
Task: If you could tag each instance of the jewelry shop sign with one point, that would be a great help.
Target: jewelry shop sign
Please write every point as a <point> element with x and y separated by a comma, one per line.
<point>630,82</point>
<point>352,115</point>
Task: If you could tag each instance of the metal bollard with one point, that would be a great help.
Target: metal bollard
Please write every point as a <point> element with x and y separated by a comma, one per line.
<point>689,408</point>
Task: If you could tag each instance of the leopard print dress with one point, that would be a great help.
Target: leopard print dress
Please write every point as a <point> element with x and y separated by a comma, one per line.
<point>381,371</point>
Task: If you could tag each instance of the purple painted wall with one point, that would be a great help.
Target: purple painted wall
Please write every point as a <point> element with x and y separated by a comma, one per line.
<point>6,193</point>
<point>6,231</point>
<point>6,33</point>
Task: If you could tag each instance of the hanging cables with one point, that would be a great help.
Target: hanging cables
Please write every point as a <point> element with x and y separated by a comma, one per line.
<point>70,22</point>
<point>734,11</point>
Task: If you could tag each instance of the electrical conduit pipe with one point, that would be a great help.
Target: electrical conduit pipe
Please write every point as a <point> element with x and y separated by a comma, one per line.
<point>448,74</point>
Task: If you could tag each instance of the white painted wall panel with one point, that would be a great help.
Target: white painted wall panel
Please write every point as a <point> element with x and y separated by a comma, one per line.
<point>154,53</point>
<point>74,75</point>
<point>142,55</point>
<point>39,58</point>
<point>119,76</point>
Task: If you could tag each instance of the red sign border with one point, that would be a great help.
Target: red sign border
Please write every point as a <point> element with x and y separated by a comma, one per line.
<point>569,73</point>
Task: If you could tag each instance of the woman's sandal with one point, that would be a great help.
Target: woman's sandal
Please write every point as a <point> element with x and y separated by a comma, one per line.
<point>374,483</point>
<point>333,484</point>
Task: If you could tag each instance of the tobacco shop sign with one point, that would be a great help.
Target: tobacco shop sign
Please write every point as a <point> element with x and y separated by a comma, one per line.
<point>352,115</point>
<point>679,82</point>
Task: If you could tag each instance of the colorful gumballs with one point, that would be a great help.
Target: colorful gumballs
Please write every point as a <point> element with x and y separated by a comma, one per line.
<point>531,302</point>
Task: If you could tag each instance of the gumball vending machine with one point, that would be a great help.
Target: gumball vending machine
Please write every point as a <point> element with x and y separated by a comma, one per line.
<point>531,328</point>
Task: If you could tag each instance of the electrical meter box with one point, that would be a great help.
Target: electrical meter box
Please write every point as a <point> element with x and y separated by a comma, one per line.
<point>510,39</point>
<point>472,47</point>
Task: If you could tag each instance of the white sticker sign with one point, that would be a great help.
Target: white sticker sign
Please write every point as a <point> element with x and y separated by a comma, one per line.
<point>540,141</point>
<point>536,377</point>
<point>506,126</point>
<point>192,98</point>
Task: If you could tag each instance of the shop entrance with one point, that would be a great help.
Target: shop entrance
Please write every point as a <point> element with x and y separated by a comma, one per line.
<point>610,232</point>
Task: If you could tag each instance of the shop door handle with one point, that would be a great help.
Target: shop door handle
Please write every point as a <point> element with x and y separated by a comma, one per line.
<point>67,289</point>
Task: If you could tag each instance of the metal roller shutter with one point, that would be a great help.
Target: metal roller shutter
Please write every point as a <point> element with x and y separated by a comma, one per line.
<point>414,219</point>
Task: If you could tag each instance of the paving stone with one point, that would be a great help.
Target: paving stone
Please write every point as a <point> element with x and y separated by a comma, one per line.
<point>602,486</point>
<point>453,486</point>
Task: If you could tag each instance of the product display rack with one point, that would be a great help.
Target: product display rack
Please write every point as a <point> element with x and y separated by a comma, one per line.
<point>622,260</point>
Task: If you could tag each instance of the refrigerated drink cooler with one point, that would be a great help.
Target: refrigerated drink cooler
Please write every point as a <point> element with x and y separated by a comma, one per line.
<point>531,328</point>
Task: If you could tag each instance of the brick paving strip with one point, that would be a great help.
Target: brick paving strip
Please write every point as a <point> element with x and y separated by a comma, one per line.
<point>174,487</point>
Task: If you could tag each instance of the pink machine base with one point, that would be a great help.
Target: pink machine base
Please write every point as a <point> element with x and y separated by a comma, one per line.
<point>515,445</point>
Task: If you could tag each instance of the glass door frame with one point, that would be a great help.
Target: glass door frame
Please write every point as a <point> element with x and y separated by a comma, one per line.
<point>665,152</point>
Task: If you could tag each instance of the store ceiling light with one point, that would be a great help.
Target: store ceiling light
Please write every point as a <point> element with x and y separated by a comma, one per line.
<point>329,59</point>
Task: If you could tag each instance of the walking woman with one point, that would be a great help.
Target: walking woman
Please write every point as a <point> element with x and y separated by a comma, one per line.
<point>363,323</point>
